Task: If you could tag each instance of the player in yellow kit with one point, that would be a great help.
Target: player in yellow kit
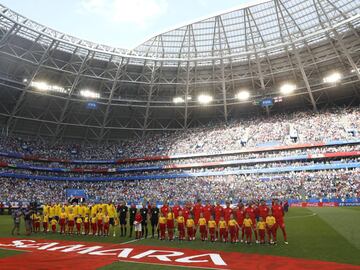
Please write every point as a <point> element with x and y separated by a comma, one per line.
<point>100,224</point>
<point>71,221</point>
<point>170,224</point>
<point>52,211</point>
<point>212,228</point>
<point>112,215</point>
<point>63,220</point>
<point>190,227</point>
<point>261,227</point>
<point>222,229</point>
<point>86,224</point>
<point>248,228</point>
<point>202,227</point>
<point>45,221</point>
<point>53,223</point>
<point>271,228</point>
<point>79,222</point>
<point>93,224</point>
<point>162,226</point>
<point>181,226</point>
<point>106,221</point>
<point>233,229</point>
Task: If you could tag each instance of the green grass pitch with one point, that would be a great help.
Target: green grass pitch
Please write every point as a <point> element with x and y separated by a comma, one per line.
<point>327,234</point>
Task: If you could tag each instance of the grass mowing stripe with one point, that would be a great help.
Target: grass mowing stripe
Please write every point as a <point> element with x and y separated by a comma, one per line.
<point>344,221</point>
<point>5,252</point>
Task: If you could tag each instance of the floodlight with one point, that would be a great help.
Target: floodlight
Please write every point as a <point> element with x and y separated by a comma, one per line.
<point>89,94</point>
<point>178,100</point>
<point>333,77</point>
<point>287,88</point>
<point>43,86</point>
<point>243,95</point>
<point>205,99</point>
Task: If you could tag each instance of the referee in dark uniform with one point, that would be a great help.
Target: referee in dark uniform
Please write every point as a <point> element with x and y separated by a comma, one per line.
<point>154,219</point>
<point>144,224</point>
<point>122,210</point>
<point>132,213</point>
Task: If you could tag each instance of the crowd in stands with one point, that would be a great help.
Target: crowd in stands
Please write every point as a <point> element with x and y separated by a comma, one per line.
<point>298,127</point>
<point>321,184</point>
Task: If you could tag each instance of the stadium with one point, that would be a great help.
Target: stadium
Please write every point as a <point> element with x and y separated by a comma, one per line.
<point>230,142</point>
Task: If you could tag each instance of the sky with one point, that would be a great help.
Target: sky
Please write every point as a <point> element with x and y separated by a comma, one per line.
<point>118,23</point>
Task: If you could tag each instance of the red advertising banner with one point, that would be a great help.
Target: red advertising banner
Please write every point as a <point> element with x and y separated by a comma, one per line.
<point>48,254</point>
<point>315,204</point>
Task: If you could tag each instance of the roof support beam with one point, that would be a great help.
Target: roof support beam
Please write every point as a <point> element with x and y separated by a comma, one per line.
<point>21,99</point>
<point>296,53</point>
<point>341,43</point>
<point>118,75</point>
<point>72,89</point>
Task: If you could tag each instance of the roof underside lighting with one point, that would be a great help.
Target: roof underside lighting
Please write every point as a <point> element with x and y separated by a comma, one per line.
<point>205,99</point>
<point>178,100</point>
<point>333,77</point>
<point>43,86</point>
<point>287,88</point>
<point>89,94</point>
<point>242,95</point>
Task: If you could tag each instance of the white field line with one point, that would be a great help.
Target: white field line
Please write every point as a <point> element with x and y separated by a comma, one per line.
<point>174,265</point>
<point>135,240</point>
<point>304,216</point>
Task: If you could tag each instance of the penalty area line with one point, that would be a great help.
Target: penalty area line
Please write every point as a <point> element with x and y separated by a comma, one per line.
<point>174,265</point>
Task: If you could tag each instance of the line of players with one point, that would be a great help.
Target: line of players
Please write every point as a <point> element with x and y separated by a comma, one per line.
<point>96,219</point>
<point>216,221</point>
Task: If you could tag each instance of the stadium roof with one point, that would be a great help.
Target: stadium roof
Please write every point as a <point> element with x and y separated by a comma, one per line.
<point>165,83</point>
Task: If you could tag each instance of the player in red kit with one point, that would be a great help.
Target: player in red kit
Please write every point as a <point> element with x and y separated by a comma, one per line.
<point>176,209</point>
<point>207,211</point>
<point>250,210</point>
<point>219,212</point>
<point>165,209</point>
<point>278,213</point>
<point>240,215</point>
<point>197,210</point>
<point>227,212</point>
<point>186,211</point>
<point>263,210</point>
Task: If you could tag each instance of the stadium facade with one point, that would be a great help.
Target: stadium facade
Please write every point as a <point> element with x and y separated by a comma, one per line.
<point>155,87</point>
